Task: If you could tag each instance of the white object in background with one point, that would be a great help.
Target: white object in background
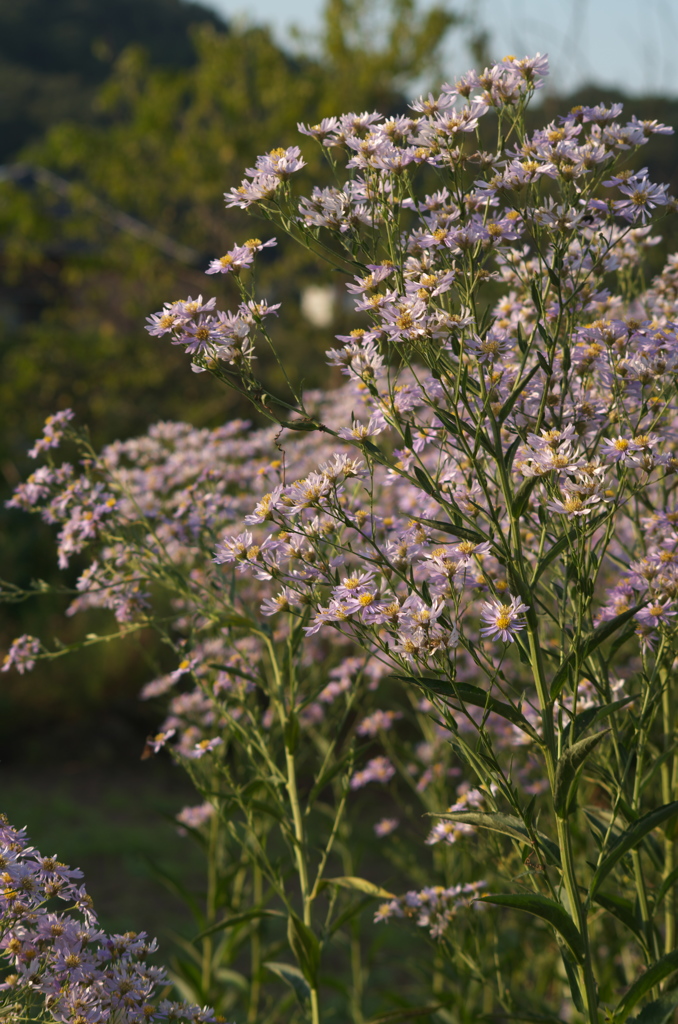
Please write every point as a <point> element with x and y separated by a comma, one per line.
<point>317,304</point>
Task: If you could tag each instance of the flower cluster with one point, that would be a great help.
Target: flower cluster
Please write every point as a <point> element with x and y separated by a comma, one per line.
<point>433,907</point>
<point>61,961</point>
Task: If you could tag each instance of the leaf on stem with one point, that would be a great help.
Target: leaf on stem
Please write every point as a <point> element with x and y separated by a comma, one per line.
<point>360,885</point>
<point>624,911</point>
<point>629,839</point>
<point>592,716</point>
<point>293,976</point>
<point>548,910</point>
<point>659,1011</point>
<point>231,922</point>
<point>522,496</point>
<point>572,979</point>
<point>376,453</point>
<point>467,693</point>
<point>665,887</point>
<point>569,765</point>
<point>655,973</point>
<point>305,946</point>
<point>453,528</point>
<point>588,644</point>
<point>515,394</point>
<point>424,482</point>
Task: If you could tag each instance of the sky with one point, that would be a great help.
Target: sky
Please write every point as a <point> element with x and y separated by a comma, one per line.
<point>628,44</point>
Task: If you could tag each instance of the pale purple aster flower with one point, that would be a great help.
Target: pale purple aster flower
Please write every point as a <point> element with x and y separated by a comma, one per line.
<point>643,197</point>
<point>240,257</point>
<point>336,611</point>
<point>377,721</point>
<point>204,747</point>
<point>279,162</point>
<point>281,602</point>
<point>22,654</point>
<point>353,585</point>
<point>252,312</point>
<point>572,504</point>
<point>502,621</point>
<point>321,131</point>
<point>448,832</point>
<point>157,742</point>
<point>52,433</point>
<point>196,816</point>
<point>379,769</point>
<point>619,449</point>
<point>647,127</point>
<point>385,827</point>
<point>655,614</point>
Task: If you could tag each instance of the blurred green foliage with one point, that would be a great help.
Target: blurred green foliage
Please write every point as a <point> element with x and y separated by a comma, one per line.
<point>54,54</point>
<point>165,145</point>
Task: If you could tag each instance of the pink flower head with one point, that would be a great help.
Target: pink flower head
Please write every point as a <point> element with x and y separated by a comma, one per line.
<point>379,769</point>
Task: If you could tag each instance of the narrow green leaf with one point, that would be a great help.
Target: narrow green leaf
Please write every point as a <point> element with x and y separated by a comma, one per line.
<point>548,910</point>
<point>572,979</point>
<point>455,425</point>
<point>551,555</point>
<point>361,885</point>
<point>543,362</point>
<point>655,973</point>
<point>536,297</point>
<point>233,619</point>
<point>305,946</point>
<point>629,839</point>
<point>350,912</point>
<point>623,910</point>
<point>592,716</point>
<point>424,482</point>
<point>293,977</point>
<point>660,1011</point>
<point>522,496</point>
<point>665,887</point>
<point>448,421</point>
<point>509,825</point>
<point>231,922</point>
<point>589,644</point>
<point>569,763</point>
<point>328,775</point>
<point>515,394</point>
<point>553,277</point>
<point>229,977</point>
<point>467,693</point>
<point>376,452</point>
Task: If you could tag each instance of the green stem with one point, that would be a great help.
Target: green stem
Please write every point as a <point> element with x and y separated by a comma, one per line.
<point>255,949</point>
<point>210,904</point>
<point>564,837</point>
<point>579,913</point>
<point>300,844</point>
<point>668,774</point>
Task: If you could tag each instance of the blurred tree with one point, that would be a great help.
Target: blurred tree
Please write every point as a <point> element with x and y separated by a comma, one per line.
<point>164,148</point>
<point>54,53</point>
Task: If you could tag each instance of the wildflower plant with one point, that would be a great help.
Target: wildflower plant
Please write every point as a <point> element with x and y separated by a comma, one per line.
<point>63,967</point>
<point>451,580</point>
